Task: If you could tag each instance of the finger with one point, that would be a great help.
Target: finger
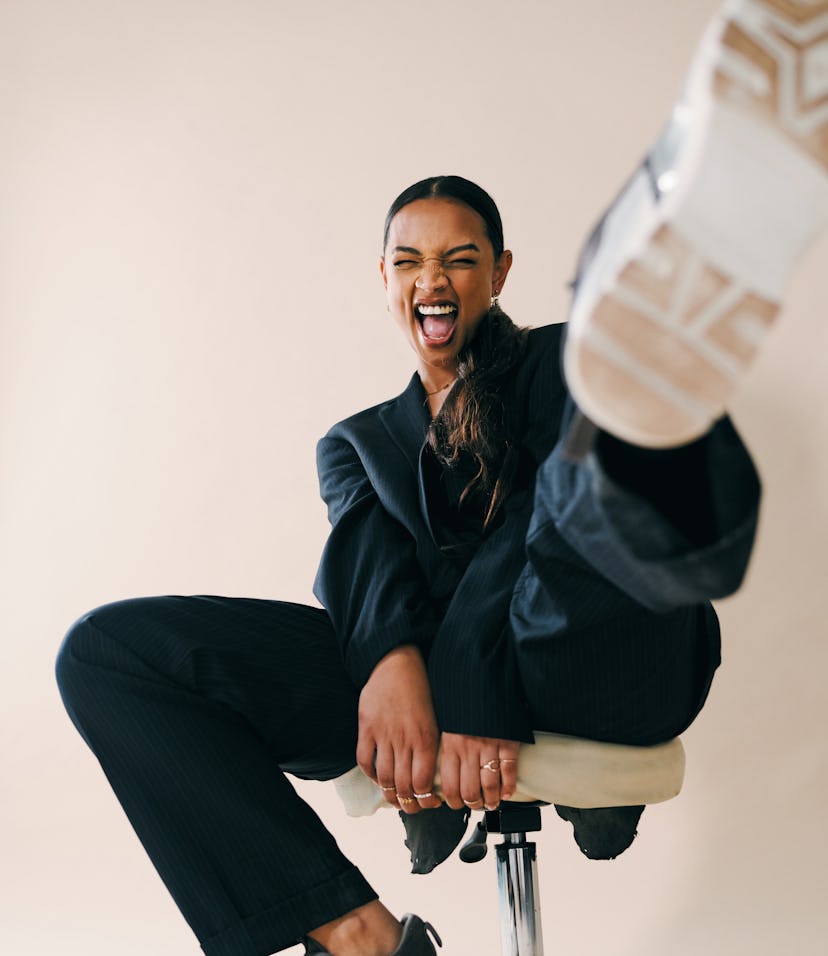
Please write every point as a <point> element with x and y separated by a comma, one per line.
<point>408,803</point>
<point>470,788</point>
<point>366,749</point>
<point>489,776</point>
<point>450,779</point>
<point>508,771</point>
<point>402,780</point>
<point>423,768</point>
<point>384,762</point>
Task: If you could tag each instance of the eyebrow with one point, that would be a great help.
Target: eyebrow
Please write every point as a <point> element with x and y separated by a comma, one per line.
<point>449,252</point>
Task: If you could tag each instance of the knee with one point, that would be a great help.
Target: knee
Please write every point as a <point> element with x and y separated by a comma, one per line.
<point>73,673</point>
<point>81,645</point>
<point>87,643</point>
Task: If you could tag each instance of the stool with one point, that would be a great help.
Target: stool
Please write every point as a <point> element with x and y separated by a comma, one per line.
<point>569,771</point>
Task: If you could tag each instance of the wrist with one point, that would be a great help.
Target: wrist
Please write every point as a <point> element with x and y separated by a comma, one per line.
<point>404,653</point>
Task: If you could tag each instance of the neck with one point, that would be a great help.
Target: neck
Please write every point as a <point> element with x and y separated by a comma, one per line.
<point>436,379</point>
<point>435,401</point>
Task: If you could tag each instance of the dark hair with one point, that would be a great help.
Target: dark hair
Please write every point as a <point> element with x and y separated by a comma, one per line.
<point>473,421</point>
<point>460,190</point>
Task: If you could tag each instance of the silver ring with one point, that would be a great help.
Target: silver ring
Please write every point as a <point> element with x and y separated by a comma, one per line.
<point>423,796</point>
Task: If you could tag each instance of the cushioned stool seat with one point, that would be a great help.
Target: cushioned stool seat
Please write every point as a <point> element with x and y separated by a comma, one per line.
<point>564,770</point>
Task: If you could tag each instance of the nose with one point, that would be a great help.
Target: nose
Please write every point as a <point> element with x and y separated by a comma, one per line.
<point>432,276</point>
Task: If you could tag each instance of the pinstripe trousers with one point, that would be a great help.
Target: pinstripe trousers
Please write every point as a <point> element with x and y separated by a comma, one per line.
<point>197,706</point>
<point>194,707</point>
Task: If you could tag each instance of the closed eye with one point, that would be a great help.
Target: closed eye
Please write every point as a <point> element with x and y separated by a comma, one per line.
<point>447,264</point>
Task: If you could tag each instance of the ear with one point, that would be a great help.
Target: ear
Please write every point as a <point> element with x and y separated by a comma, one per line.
<point>382,272</point>
<point>501,269</point>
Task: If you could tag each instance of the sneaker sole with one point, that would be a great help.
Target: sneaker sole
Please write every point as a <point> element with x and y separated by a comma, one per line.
<point>683,289</point>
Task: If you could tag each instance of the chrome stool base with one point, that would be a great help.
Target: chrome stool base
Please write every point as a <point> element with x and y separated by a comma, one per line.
<point>520,918</point>
<point>517,871</point>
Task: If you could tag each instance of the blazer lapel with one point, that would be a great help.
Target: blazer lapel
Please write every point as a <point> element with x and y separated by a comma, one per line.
<point>407,419</point>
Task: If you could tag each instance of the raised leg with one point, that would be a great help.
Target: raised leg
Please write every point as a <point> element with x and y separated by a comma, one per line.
<point>685,274</point>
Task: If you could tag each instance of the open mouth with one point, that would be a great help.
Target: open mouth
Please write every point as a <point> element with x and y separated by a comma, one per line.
<point>437,322</point>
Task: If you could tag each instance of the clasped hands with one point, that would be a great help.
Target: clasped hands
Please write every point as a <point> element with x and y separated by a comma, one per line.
<point>399,741</point>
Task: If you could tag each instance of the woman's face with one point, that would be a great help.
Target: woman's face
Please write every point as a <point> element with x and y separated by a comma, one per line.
<point>440,273</point>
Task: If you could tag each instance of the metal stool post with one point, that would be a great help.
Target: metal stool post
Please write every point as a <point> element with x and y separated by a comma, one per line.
<point>520,918</point>
<point>517,871</point>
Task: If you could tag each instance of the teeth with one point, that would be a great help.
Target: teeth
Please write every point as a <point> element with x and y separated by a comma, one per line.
<point>436,309</point>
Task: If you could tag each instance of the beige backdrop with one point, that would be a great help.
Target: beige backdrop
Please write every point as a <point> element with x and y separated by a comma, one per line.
<point>191,197</point>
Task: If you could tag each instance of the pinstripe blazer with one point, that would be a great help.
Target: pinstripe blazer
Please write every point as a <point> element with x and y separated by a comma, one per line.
<point>597,573</point>
<point>383,577</point>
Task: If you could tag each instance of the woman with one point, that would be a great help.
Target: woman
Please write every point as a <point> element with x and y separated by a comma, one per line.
<point>479,583</point>
<point>496,564</point>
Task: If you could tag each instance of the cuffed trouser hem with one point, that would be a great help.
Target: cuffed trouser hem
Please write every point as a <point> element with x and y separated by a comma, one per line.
<point>284,925</point>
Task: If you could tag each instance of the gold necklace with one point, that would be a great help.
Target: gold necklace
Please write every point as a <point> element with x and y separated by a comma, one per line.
<point>442,388</point>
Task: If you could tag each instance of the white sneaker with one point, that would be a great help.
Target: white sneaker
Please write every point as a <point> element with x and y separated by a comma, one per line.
<point>691,262</point>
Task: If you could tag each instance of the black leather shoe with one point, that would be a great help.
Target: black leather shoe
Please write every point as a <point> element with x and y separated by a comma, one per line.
<point>415,940</point>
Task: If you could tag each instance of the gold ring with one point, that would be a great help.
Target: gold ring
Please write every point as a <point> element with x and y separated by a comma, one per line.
<point>386,789</point>
<point>423,796</point>
<point>406,799</point>
<point>473,804</point>
<point>508,760</point>
<point>493,765</point>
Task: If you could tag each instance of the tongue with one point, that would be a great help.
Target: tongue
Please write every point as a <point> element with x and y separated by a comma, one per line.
<point>437,326</point>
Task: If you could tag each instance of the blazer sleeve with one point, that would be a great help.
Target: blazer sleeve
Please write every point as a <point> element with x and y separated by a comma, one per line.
<point>369,580</point>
